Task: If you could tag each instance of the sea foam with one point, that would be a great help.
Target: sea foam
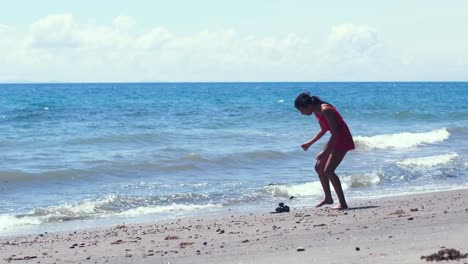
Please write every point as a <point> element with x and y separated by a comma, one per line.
<point>429,161</point>
<point>362,179</point>
<point>401,140</point>
<point>108,206</point>
<point>145,210</point>
<point>11,221</point>
<point>303,189</point>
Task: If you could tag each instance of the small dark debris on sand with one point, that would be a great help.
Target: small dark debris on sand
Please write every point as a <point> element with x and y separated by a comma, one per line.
<point>445,254</point>
<point>186,244</point>
<point>23,258</point>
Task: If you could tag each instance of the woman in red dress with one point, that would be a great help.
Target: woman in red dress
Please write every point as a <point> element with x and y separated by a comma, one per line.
<point>339,144</point>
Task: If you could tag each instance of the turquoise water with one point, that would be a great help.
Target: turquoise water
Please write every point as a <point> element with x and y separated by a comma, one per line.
<point>98,154</point>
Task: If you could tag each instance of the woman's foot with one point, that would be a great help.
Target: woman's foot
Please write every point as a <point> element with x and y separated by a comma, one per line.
<point>340,206</point>
<point>325,201</point>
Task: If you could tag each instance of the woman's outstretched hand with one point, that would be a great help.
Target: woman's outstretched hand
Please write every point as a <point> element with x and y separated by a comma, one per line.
<point>306,146</point>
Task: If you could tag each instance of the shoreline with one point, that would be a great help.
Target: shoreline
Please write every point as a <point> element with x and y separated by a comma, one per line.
<point>398,229</point>
<point>104,223</point>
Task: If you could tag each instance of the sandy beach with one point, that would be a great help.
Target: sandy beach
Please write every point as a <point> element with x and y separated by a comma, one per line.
<point>389,230</point>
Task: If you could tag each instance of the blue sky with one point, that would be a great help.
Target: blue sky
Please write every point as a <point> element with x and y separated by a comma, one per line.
<point>256,40</point>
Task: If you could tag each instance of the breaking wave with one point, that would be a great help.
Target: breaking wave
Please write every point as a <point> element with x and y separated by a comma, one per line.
<point>362,179</point>
<point>108,206</point>
<point>303,189</point>
<point>401,140</point>
<point>427,162</point>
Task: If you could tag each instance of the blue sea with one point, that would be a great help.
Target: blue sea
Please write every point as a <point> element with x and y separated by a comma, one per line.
<point>90,155</point>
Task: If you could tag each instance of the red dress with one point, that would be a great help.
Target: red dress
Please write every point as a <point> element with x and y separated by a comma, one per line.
<point>344,142</point>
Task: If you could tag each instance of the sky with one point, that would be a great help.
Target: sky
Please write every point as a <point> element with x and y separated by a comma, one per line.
<point>233,40</point>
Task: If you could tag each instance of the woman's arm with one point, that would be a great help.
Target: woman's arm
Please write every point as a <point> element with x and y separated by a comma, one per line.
<point>317,136</point>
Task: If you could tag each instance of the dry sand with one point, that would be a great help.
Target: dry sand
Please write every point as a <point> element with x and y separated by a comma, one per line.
<point>391,230</point>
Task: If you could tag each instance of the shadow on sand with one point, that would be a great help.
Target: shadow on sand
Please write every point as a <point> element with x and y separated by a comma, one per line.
<point>362,207</point>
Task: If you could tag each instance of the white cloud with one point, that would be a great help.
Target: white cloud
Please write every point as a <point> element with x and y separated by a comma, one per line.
<point>352,42</point>
<point>353,53</point>
<point>153,39</point>
<point>54,31</point>
<point>123,23</point>
<point>5,34</point>
<point>102,37</point>
<point>3,28</point>
<point>57,47</point>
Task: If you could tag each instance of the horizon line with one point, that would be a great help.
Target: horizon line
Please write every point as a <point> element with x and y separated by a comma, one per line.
<point>169,82</point>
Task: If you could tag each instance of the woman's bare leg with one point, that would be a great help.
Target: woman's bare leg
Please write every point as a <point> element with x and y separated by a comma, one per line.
<point>320,169</point>
<point>334,160</point>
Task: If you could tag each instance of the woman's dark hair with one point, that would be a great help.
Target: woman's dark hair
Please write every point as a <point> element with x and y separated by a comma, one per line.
<point>305,99</point>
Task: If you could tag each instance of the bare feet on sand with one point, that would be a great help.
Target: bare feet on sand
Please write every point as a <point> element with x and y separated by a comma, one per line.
<point>340,207</point>
<point>324,201</point>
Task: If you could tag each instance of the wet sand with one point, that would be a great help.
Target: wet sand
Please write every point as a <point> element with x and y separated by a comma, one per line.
<point>390,230</point>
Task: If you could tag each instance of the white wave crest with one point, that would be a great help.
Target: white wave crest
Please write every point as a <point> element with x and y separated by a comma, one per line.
<point>86,210</point>
<point>427,162</point>
<point>58,213</point>
<point>362,179</point>
<point>304,189</point>
<point>401,140</point>
<point>10,222</point>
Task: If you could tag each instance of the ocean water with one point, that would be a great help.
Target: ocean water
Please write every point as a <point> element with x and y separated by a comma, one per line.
<point>88,155</point>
